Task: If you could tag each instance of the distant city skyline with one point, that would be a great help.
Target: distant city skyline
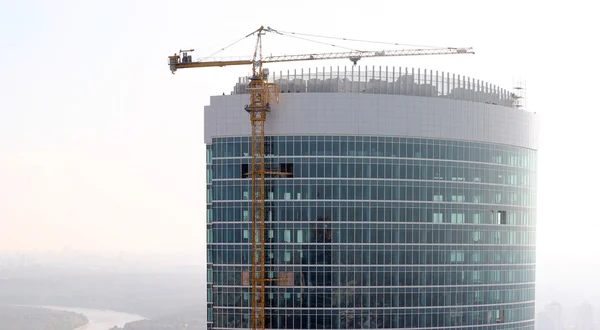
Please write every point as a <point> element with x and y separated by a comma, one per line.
<point>569,299</point>
<point>555,316</point>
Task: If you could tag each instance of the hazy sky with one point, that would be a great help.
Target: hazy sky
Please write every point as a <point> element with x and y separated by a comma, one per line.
<point>101,147</point>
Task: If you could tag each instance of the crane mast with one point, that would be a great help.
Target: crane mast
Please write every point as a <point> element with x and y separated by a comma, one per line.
<point>261,94</point>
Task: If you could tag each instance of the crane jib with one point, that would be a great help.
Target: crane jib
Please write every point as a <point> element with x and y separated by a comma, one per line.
<point>176,62</point>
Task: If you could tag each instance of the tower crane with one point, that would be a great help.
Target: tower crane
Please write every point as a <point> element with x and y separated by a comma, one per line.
<point>261,94</point>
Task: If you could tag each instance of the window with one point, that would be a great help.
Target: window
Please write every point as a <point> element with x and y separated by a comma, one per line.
<point>209,315</point>
<point>245,171</point>
<point>287,168</point>
<point>500,318</point>
<point>208,155</point>
<point>438,217</point>
<point>457,257</point>
<point>208,176</point>
<point>501,217</point>
<point>287,235</point>
<point>457,218</point>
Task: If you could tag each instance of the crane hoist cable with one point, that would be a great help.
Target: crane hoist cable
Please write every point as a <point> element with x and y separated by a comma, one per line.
<point>301,36</point>
<point>228,46</point>
<point>224,48</point>
<point>356,40</point>
<point>285,34</point>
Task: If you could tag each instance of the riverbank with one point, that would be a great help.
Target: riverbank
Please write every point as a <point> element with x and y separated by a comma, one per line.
<point>100,319</point>
<point>30,317</point>
<point>83,327</point>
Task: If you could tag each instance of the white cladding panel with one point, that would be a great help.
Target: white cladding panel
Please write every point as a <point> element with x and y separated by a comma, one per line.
<point>373,114</point>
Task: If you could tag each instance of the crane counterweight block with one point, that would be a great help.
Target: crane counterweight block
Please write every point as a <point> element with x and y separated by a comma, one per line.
<point>173,61</point>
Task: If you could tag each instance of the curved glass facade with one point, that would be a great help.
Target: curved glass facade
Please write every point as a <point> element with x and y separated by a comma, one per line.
<point>376,232</point>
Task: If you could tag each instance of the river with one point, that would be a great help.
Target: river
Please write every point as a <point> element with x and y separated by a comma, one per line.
<point>101,319</point>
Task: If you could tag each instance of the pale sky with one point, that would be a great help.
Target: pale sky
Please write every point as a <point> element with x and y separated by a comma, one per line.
<point>101,147</point>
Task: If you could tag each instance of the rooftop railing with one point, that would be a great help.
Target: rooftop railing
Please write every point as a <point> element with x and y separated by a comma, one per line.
<point>397,81</point>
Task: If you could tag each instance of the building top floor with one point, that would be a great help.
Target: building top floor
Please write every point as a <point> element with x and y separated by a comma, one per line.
<point>388,81</point>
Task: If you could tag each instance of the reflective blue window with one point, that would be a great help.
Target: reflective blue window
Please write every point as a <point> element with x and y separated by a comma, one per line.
<point>377,232</point>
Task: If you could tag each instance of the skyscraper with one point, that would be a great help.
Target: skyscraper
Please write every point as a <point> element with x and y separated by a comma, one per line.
<point>404,199</point>
<point>550,318</point>
<point>585,317</point>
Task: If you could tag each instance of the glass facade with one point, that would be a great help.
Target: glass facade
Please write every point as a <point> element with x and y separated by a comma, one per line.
<point>376,232</point>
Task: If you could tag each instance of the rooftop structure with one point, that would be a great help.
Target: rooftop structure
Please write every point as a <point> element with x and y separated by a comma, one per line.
<point>391,81</point>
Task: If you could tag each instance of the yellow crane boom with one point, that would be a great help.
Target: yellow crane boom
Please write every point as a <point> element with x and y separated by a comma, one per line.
<point>261,94</point>
<point>177,63</point>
